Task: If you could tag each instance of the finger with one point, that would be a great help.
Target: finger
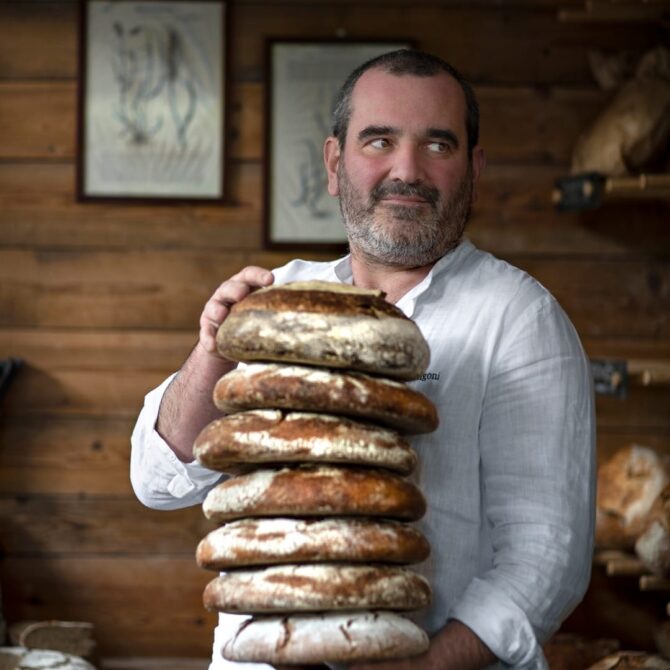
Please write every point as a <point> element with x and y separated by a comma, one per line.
<point>255,276</point>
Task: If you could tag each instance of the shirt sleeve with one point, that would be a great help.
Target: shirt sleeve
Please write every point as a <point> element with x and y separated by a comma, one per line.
<point>160,480</point>
<point>537,444</point>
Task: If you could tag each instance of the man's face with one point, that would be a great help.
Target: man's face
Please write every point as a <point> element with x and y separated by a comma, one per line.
<point>404,177</point>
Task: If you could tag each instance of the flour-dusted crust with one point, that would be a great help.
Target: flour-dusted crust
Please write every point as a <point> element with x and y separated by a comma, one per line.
<point>315,588</point>
<point>327,325</point>
<point>310,389</point>
<point>332,637</point>
<point>249,542</point>
<point>631,660</point>
<point>653,544</point>
<point>315,491</point>
<point>273,436</point>
<point>628,485</point>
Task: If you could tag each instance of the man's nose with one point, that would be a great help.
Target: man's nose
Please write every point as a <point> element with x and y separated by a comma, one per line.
<point>406,165</point>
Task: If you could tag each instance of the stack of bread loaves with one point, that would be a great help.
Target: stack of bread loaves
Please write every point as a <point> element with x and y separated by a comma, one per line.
<point>314,535</point>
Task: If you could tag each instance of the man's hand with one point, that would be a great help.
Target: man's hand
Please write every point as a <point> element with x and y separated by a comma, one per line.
<point>226,295</point>
<point>187,405</point>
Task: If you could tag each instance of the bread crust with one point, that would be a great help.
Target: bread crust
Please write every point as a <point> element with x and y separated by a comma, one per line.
<point>317,587</point>
<point>316,325</point>
<point>273,436</point>
<point>331,637</point>
<point>315,491</point>
<point>250,542</point>
<point>309,389</point>
<point>628,484</point>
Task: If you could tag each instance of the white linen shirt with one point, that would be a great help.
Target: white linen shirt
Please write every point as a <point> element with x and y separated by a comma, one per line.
<point>508,475</point>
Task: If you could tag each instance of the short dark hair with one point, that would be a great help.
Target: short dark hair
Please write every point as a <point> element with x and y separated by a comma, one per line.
<point>405,62</point>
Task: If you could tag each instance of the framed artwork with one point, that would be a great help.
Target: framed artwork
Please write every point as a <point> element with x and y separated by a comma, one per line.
<point>303,78</point>
<point>152,101</point>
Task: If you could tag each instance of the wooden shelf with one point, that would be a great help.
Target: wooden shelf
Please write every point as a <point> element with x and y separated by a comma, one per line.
<point>590,189</point>
<point>623,564</point>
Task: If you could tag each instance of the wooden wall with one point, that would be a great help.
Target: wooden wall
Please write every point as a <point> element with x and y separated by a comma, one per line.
<point>102,301</point>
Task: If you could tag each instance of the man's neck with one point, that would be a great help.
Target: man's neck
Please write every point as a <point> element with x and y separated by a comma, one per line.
<point>395,281</point>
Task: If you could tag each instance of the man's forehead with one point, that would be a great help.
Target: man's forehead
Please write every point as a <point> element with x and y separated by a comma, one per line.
<point>378,93</point>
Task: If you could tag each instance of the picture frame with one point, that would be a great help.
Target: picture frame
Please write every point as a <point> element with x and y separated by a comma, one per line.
<point>152,101</point>
<point>302,79</point>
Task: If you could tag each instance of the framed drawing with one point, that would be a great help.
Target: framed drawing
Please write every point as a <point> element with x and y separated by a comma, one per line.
<point>152,100</point>
<point>303,78</point>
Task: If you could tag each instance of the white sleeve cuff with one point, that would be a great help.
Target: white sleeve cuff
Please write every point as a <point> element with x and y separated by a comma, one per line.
<point>160,480</point>
<point>501,625</point>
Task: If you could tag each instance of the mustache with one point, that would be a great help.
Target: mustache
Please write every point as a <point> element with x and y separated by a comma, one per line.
<point>383,190</point>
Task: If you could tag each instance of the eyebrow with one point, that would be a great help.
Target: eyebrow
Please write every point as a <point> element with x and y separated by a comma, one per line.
<point>443,134</point>
<point>373,131</point>
<point>434,133</point>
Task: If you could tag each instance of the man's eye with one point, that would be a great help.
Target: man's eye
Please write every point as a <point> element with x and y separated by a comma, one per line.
<point>379,143</point>
<point>438,147</point>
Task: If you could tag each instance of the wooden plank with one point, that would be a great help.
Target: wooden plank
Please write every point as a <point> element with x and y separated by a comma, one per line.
<point>48,349</point>
<point>518,124</point>
<point>105,393</point>
<point>76,526</point>
<point>142,289</point>
<point>60,454</point>
<point>38,209</point>
<point>156,289</point>
<point>519,42</point>
<point>139,606</point>
<point>513,214</point>
<point>501,44</point>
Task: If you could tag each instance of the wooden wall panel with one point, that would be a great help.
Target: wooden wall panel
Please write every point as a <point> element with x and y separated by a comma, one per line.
<point>167,288</point>
<point>102,301</point>
<point>512,215</point>
<point>77,526</point>
<point>139,605</point>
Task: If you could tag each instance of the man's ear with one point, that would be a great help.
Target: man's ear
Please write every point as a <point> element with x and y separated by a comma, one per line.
<point>331,158</point>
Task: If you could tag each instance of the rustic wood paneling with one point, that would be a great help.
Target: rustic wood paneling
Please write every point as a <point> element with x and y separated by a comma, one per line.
<point>489,42</point>
<point>56,453</point>
<point>76,526</point>
<point>167,289</point>
<point>140,606</point>
<point>513,214</point>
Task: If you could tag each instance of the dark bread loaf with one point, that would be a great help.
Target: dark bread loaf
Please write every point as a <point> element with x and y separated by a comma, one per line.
<point>272,436</point>
<point>249,542</point>
<point>327,325</point>
<point>309,389</point>
<point>315,491</point>
<point>332,637</point>
<point>314,588</point>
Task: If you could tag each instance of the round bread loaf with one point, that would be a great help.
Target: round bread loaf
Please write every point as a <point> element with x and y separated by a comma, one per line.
<point>308,389</point>
<point>274,541</point>
<point>324,324</point>
<point>315,491</point>
<point>316,587</point>
<point>631,660</point>
<point>332,637</point>
<point>653,544</point>
<point>272,436</point>
<point>628,484</point>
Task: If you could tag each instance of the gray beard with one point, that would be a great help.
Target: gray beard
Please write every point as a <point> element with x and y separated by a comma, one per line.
<point>404,236</point>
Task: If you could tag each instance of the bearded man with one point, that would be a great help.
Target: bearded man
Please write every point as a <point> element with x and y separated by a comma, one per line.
<point>509,474</point>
